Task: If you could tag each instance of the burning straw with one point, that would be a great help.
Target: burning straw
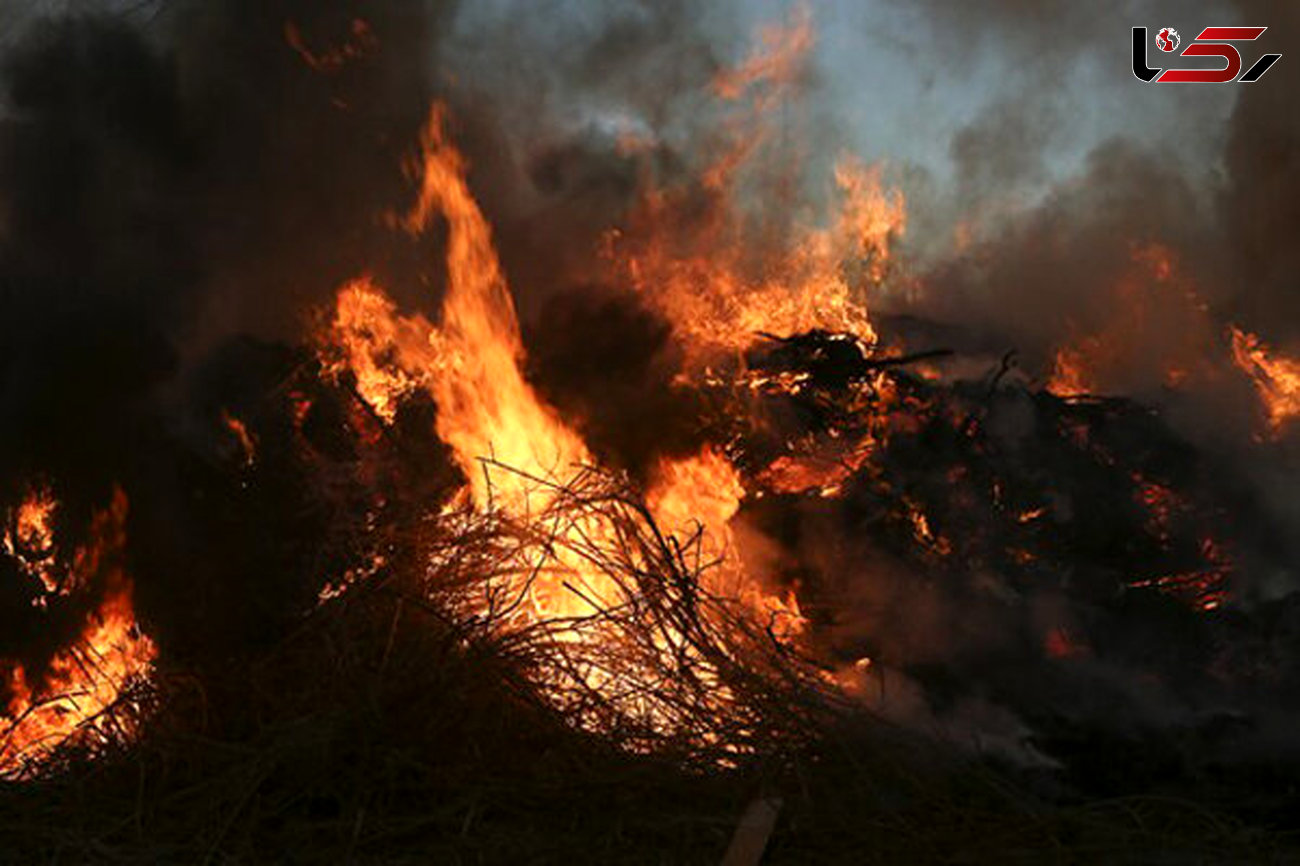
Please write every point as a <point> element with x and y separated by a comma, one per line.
<point>651,660</point>
<point>657,663</point>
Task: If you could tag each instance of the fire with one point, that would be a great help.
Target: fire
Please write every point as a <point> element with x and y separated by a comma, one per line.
<point>29,537</point>
<point>486,409</point>
<point>1276,378</point>
<point>1156,331</point>
<point>714,305</point>
<point>700,270</point>
<point>1070,377</point>
<point>703,490</point>
<point>824,475</point>
<point>696,497</point>
<point>243,437</point>
<point>520,458</point>
<point>779,57</point>
<point>388,355</point>
<point>34,522</point>
<point>86,678</point>
<point>514,450</point>
<point>361,43</point>
<point>924,535</point>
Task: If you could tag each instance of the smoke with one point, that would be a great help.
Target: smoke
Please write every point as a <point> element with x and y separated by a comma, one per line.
<point>181,186</point>
<point>1206,171</point>
<point>1067,186</point>
<point>175,179</point>
<point>1260,212</point>
<point>1072,179</point>
<point>609,363</point>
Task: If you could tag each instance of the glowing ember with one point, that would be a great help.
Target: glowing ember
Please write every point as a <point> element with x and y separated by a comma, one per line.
<point>925,536</point>
<point>86,678</point>
<point>361,42</point>
<point>1276,378</point>
<point>238,429</point>
<point>1060,643</point>
<point>799,474</point>
<point>1161,504</point>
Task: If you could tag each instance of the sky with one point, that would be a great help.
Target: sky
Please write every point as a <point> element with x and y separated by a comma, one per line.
<point>894,81</point>
<point>975,109</point>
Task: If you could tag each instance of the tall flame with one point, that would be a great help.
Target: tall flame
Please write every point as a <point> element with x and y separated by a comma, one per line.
<point>485,406</point>
<point>519,456</point>
<point>516,452</point>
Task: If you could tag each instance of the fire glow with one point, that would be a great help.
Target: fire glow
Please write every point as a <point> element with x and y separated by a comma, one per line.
<point>1276,378</point>
<point>516,453</point>
<point>811,410</point>
<point>69,698</point>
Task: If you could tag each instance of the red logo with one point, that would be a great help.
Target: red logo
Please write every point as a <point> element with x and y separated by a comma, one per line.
<point>1210,42</point>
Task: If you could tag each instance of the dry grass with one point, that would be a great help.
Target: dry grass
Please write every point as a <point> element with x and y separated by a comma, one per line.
<point>403,723</point>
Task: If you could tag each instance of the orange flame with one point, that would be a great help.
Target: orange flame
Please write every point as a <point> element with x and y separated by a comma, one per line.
<point>700,495</point>
<point>388,355</point>
<point>86,678</point>
<point>361,43</point>
<point>1136,346</point>
<point>29,538</point>
<point>246,441</point>
<point>1276,378</point>
<point>516,452</point>
<point>485,407</point>
<point>1070,376</point>
<point>698,265</point>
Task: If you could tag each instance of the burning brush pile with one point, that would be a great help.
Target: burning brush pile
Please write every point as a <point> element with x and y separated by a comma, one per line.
<point>703,512</point>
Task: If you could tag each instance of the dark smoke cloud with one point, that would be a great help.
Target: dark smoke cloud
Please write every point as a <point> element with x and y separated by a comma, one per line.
<point>1047,275</point>
<point>1054,237</point>
<point>1261,206</point>
<point>173,179</point>
<point>608,363</point>
<point>165,189</point>
<point>542,94</point>
<point>1003,148</point>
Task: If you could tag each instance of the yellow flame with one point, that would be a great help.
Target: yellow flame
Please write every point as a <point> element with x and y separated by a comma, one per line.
<point>29,536</point>
<point>719,275</point>
<point>1276,378</point>
<point>88,676</point>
